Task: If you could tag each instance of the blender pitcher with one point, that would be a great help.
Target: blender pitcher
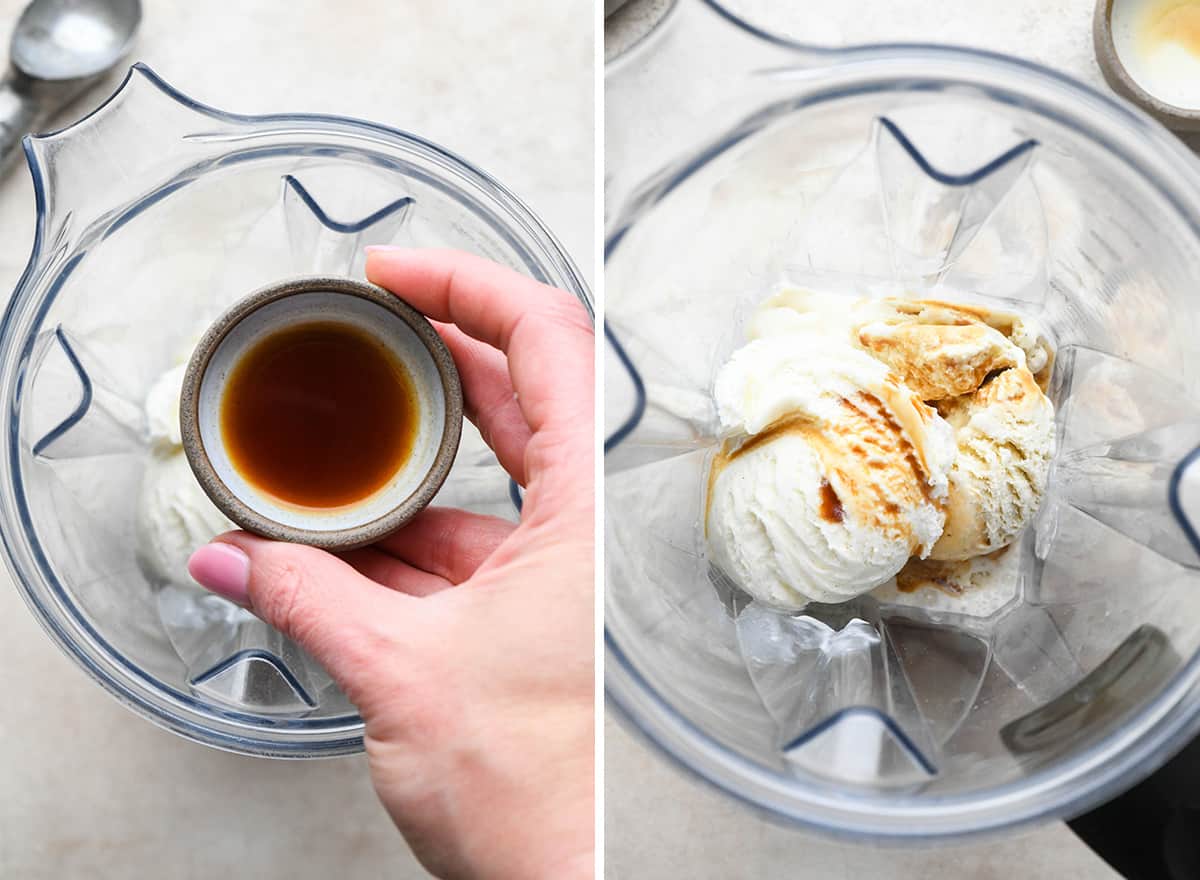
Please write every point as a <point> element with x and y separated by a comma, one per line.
<point>940,172</point>
<point>154,214</point>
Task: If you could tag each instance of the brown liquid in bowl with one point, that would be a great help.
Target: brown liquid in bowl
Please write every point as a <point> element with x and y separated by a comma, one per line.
<point>319,415</point>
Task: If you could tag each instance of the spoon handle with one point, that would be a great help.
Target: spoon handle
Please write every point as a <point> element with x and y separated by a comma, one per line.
<point>18,115</point>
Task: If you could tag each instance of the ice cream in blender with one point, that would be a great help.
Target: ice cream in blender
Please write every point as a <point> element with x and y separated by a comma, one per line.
<point>1005,433</point>
<point>832,475</point>
<point>858,435</point>
<point>174,516</point>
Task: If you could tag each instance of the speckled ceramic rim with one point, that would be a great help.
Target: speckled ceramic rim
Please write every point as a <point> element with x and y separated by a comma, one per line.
<point>333,539</point>
<point>1115,72</point>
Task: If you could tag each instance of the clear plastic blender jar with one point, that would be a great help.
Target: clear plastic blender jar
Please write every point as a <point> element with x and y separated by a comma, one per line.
<point>155,214</point>
<point>903,169</point>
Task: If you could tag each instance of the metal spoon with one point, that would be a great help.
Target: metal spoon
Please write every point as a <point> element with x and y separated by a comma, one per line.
<point>59,49</point>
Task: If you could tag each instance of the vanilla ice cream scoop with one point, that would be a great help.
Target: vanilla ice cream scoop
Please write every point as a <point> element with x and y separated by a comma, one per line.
<point>835,467</point>
<point>1005,439</point>
<point>940,361</point>
<point>174,516</point>
<point>162,410</point>
<point>832,474</point>
<point>938,349</point>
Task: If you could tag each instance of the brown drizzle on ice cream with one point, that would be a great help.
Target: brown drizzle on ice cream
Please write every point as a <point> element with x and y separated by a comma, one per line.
<point>952,577</point>
<point>871,469</point>
<point>831,505</point>
<point>944,576</point>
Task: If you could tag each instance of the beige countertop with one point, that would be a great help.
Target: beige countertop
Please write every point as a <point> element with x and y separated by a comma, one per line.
<point>91,790</point>
<point>664,824</point>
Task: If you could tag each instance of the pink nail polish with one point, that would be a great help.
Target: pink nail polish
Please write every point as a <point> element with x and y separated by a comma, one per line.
<point>384,248</point>
<point>223,569</point>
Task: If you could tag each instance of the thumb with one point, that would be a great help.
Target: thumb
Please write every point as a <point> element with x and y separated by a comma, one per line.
<point>340,617</point>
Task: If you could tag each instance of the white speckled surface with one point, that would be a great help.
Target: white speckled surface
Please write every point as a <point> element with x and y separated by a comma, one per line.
<point>662,823</point>
<point>1056,33</point>
<point>91,790</point>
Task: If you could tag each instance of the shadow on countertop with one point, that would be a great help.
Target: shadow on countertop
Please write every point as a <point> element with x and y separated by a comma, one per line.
<point>1152,831</point>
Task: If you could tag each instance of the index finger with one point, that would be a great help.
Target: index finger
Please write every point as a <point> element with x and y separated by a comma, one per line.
<point>545,332</point>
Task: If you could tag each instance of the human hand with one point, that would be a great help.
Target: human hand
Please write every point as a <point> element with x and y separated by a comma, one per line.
<point>465,642</point>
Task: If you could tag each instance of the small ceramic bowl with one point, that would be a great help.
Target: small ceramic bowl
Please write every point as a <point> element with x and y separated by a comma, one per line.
<point>403,330</point>
<point>1123,83</point>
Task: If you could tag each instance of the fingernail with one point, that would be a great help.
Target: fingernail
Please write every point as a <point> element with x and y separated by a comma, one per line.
<point>223,569</point>
<point>384,248</point>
